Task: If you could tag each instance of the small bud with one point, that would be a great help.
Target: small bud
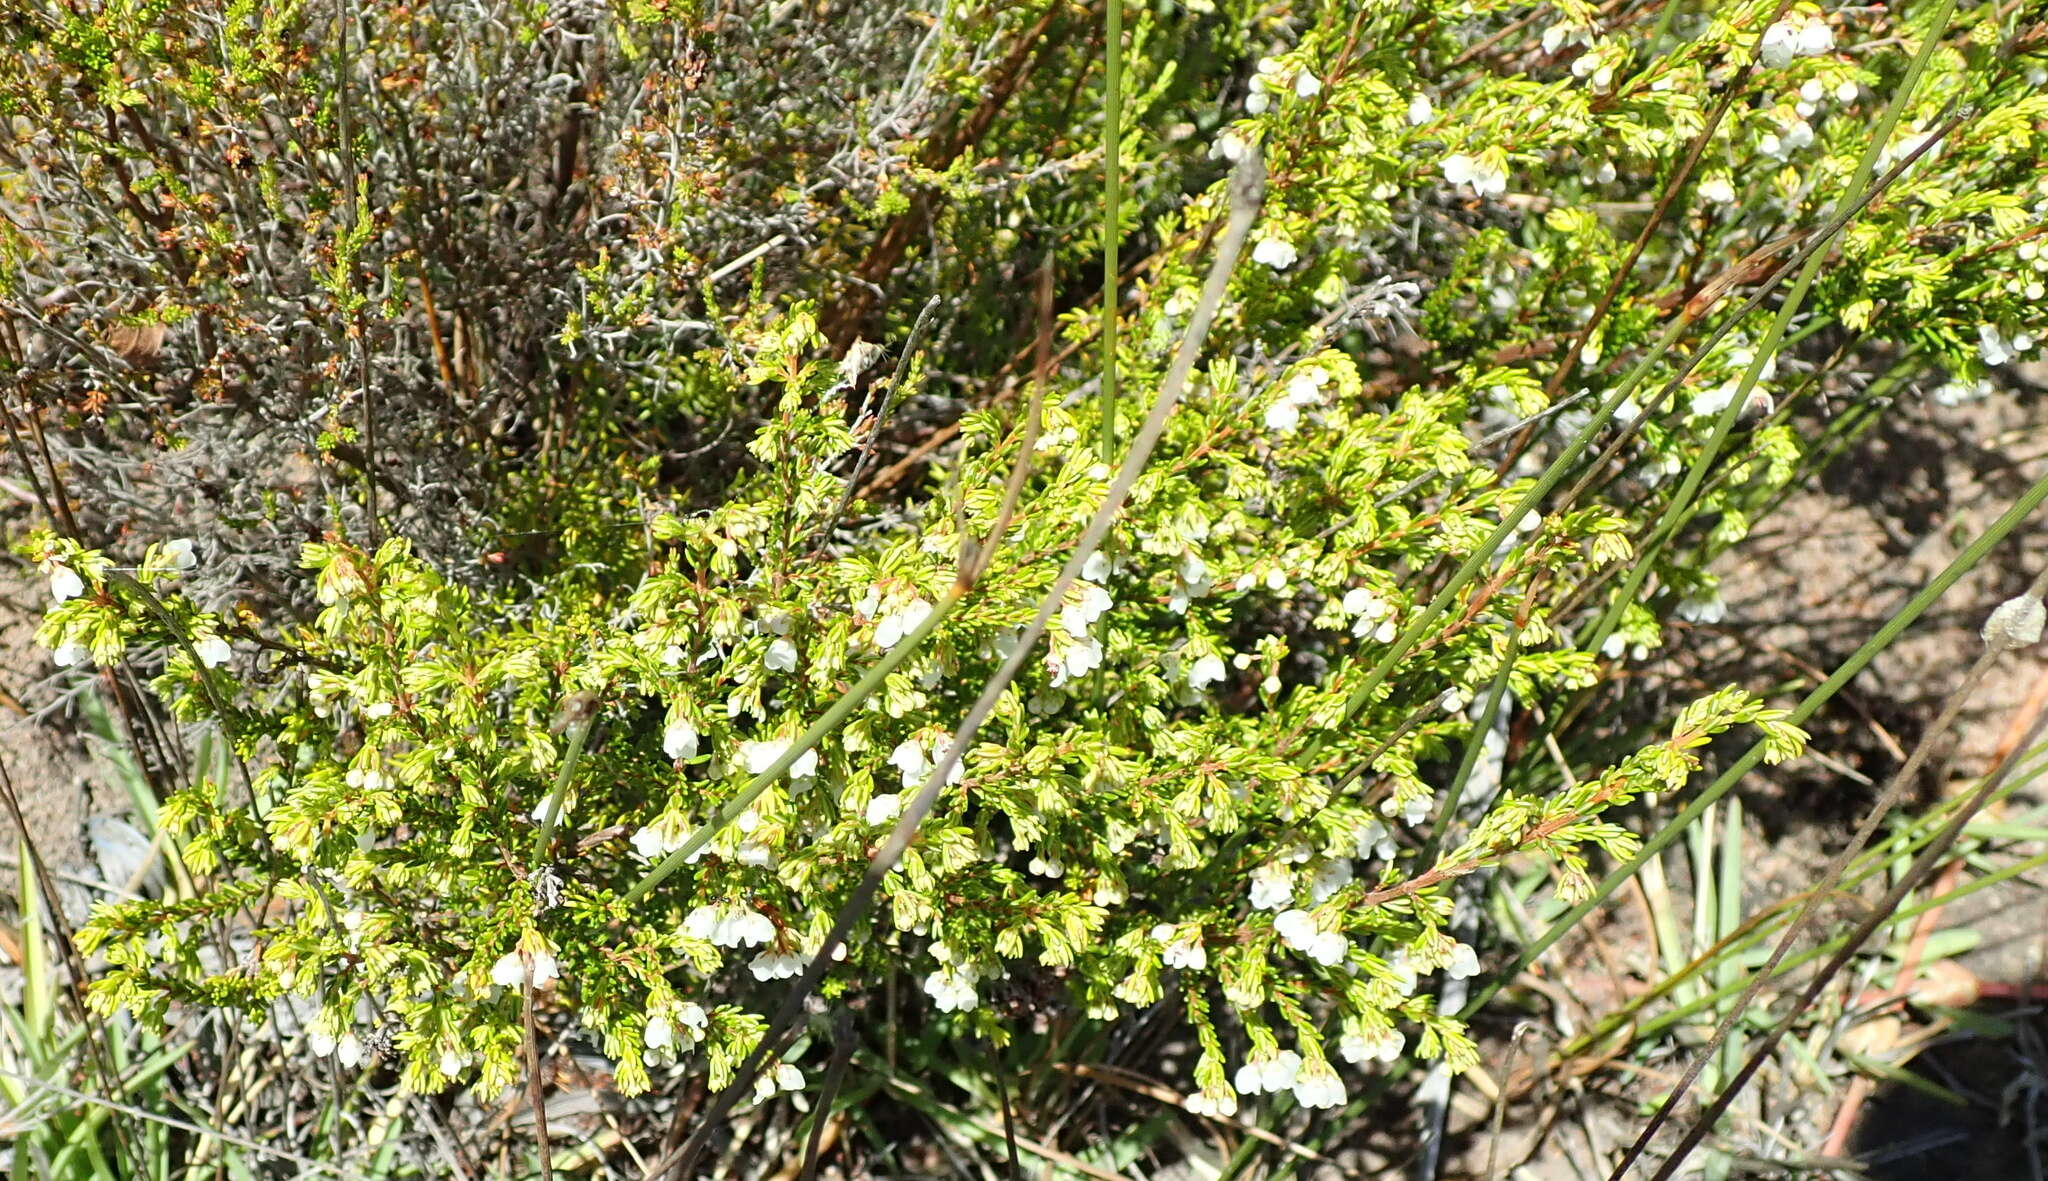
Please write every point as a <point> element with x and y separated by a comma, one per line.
<point>2015,624</point>
<point>577,709</point>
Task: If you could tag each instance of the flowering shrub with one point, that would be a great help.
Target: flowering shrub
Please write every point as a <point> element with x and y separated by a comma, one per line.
<point>1169,802</point>
<point>1227,777</point>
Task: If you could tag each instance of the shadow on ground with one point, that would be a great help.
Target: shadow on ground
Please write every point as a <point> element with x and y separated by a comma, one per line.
<point>1971,1106</point>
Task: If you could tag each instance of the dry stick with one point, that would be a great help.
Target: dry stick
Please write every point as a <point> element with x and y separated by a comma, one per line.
<point>1880,914</point>
<point>889,404</point>
<point>1033,418</point>
<point>533,1088</point>
<point>1828,879</point>
<point>1246,191</point>
<point>35,481</point>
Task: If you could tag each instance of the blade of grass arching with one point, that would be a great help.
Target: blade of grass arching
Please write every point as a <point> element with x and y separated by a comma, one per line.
<point>1679,510</point>
<point>1821,695</point>
<point>578,713</point>
<point>142,1116</point>
<point>1246,189</point>
<point>83,1136</point>
<point>1112,232</point>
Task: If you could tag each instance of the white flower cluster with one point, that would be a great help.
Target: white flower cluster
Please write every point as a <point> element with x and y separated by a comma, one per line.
<point>1617,647</point>
<point>1275,78</point>
<point>510,970</point>
<point>1375,842</point>
<point>1596,66</point>
<point>729,924</point>
<point>673,1031</point>
<point>1329,878</point>
<point>882,808</point>
<point>1275,251</point>
<point>655,841</point>
<point>1086,602</point>
<point>1995,348</point>
<point>899,622</point>
<point>1360,1046</point>
<point>913,764</point>
<point>1796,36</point>
<point>64,582</point>
<point>757,757</point>
<point>1270,1072</point>
<point>680,739</point>
<point>1183,946</point>
<point>1317,1086</point>
<point>1298,929</point>
<point>1486,177</point>
<point>1206,670</point>
<point>776,965</point>
<point>1706,607</point>
<point>785,1077</point>
<point>952,986</point>
<point>1314,1083</point>
<point>1190,582</point>
<point>1371,615</point>
<point>1272,887</point>
<point>1305,388</point>
<point>1220,1103</point>
<point>1413,810</point>
<point>1960,391</point>
<point>347,1049</point>
<point>2030,286</point>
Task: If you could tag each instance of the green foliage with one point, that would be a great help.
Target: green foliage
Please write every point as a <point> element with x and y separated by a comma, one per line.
<point>1204,788</point>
